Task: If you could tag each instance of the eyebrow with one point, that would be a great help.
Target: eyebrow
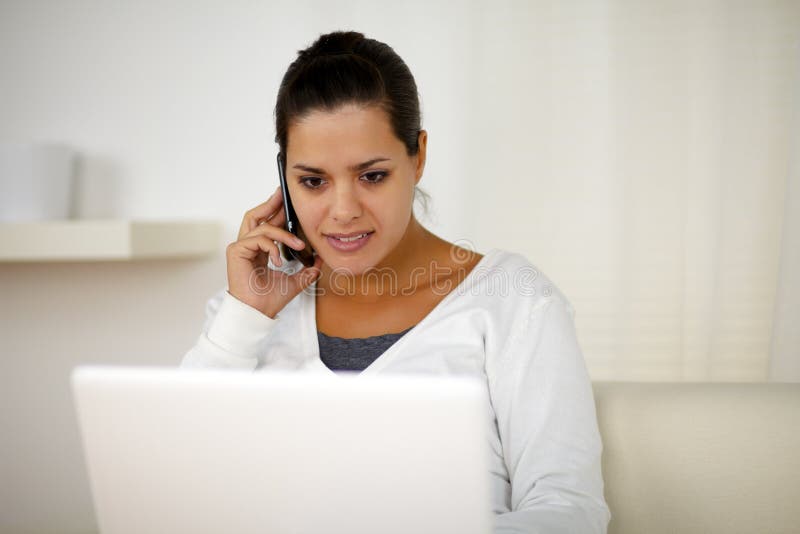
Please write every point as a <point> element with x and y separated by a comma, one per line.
<point>352,168</point>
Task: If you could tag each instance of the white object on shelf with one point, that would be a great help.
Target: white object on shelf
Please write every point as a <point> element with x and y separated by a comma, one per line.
<point>107,239</point>
<point>36,181</point>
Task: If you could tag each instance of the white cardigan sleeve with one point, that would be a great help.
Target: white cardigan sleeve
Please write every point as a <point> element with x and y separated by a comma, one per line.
<point>232,335</point>
<point>548,428</point>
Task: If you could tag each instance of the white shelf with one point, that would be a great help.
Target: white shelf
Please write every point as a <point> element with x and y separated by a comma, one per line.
<point>107,239</point>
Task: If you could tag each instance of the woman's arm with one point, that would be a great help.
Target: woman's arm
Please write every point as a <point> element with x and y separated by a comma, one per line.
<point>547,423</point>
<point>231,336</point>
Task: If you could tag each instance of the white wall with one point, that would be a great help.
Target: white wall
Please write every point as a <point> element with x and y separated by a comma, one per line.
<point>53,317</point>
<point>171,102</point>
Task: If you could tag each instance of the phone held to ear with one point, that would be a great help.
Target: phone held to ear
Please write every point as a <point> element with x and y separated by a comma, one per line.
<point>306,254</point>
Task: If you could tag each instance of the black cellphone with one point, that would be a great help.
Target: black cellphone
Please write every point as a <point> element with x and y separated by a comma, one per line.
<point>306,254</point>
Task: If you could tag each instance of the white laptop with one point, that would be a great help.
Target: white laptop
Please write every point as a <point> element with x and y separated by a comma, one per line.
<point>217,451</point>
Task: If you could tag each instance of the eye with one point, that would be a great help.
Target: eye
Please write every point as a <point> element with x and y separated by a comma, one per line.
<point>311,182</point>
<point>374,177</point>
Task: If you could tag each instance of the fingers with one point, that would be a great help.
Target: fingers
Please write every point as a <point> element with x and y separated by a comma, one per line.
<point>251,247</point>
<point>276,234</point>
<point>276,219</point>
<point>265,211</point>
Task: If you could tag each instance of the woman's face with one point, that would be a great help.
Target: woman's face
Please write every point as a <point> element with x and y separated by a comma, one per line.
<point>347,173</point>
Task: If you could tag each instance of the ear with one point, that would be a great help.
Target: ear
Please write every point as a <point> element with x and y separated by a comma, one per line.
<point>422,142</point>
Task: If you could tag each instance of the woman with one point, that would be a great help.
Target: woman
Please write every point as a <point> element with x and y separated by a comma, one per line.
<point>385,295</point>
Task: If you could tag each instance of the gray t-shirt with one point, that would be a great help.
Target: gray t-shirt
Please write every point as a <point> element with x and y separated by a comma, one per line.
<point>354,354</point>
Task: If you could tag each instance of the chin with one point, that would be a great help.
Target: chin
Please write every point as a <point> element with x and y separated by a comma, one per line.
<point>355,264</point>
<point>356,261</point>
<point>350,266</point>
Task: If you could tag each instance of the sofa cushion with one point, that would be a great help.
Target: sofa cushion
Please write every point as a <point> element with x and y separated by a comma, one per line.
<point>701,457</point>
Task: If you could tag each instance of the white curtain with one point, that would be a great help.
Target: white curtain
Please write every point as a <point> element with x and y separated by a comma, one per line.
<point>638,153</point>
<point>785,353</point>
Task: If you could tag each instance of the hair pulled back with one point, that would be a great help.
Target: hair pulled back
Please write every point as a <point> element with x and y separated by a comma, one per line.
<point>344,67</point>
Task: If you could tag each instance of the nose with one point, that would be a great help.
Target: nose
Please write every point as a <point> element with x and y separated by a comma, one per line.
<point>346,205</point>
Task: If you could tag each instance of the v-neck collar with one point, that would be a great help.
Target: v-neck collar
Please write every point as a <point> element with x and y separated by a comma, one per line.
<point>310,320</point>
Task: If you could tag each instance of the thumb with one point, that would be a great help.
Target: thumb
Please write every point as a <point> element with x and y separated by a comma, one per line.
<point>308,275</point>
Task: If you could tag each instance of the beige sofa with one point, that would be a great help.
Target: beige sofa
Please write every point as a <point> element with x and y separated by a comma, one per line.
<point>701,457</point>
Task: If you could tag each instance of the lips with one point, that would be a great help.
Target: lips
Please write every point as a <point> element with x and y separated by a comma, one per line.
<point>349,235</point>
<point>348,242</point>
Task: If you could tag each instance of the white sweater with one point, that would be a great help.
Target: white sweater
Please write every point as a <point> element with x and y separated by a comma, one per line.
<point>506,323</point>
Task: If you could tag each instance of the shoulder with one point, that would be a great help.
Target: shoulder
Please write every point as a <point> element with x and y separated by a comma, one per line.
<point>506,279</point>
<point>526,313</point>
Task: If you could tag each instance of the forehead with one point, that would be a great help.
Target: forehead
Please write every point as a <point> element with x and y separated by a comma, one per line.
<point>344,134</point>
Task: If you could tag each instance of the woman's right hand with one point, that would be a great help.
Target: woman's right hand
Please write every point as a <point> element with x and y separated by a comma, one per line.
<point>250,279</point>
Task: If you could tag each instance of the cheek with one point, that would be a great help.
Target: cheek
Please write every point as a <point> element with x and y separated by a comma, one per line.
<point>396,212</point>
<point>388,211</point>
<point>307,209</point>
<point>309,215</point>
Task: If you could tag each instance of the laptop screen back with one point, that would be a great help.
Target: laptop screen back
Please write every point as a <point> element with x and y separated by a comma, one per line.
<point>195,451</point>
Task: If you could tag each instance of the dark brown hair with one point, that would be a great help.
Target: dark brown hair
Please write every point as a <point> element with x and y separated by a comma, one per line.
<point>344,67</point>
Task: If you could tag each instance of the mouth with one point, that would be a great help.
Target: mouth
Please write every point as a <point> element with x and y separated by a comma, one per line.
<point>348,242</point>
<point>352,236</point>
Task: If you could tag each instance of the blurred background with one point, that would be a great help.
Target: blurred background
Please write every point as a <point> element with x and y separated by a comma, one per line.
<point>645,155</point>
